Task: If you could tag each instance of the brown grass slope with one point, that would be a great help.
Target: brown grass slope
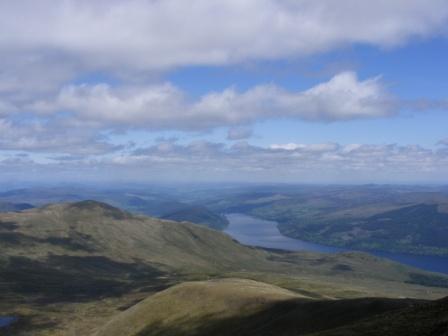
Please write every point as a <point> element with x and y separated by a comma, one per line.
<point>108,244</point>
<point>242,308</point>
<point>92,228</point>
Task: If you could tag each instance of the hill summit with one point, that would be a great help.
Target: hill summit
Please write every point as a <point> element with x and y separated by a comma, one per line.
<point>244,308</point>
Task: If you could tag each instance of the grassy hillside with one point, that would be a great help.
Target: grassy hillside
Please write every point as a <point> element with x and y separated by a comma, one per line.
<point>71,266</point>
<point>186,307</point>
<point>198,215</point>
<point>243,308</point>
<point>369,217</point>
<point>151,201</point>
<point>92,228</point>
<point>418,229</point>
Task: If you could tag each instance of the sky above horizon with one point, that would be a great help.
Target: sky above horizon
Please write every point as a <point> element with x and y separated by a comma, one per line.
<point>324,91</point>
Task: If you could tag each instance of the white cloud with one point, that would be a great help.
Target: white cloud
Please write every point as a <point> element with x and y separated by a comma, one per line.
<point>53,137</point>
<point>46,43</point>
<point>153,35</point>
<point>120,106</point>
<point>343,97</point>
<point>210,161</point>
<point>295,158</point>
<point>325,147</point>
<point>326,162</point>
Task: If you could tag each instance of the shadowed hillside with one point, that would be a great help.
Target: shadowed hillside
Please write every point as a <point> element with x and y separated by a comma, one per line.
<point>10,207</point>
<point>244,308</point>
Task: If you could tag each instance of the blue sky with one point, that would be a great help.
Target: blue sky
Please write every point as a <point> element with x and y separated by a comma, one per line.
<point>262,91</point>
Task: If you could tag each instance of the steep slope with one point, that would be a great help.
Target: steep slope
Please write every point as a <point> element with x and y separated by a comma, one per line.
<point>187,306</point>
<point>418,229</point>
<point>243,308</point>
<point>198,215</point>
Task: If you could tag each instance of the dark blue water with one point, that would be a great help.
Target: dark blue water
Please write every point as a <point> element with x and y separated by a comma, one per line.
<point>257,232</point>
<point>6,321</point>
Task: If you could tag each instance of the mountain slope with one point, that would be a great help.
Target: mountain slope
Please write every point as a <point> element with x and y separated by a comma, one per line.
<point>243,308</point>
<point>64,238</point>
<point>418,229</point>
<point>198,215</point>
<point>371,217</point>
<point>187,306</point>
<point>93,228</point>
<point>74,265</point>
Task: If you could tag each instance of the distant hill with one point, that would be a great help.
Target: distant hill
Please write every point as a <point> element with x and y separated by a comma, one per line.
<point>418,229</point>
<point>245,308</point>
<point>390,218</point>
<point>10,207</point>
<point>72,266</point>
<point>198,215</point>
<point>153,203</point>
<point>407,219</point>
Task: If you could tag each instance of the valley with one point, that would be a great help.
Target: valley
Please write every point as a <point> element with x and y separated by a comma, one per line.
<point>72,267</point>
<point>253,231</point>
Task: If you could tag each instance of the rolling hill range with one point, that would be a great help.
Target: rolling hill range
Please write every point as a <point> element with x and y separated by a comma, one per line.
<point>403,219</point>
<point>385,218</point>
<point>152,201</point>
<point>71,267</point>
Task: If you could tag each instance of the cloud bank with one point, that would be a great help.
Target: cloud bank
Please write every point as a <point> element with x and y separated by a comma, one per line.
<point>155,34</point>
<point>203,160</point>
<point>136,39</point>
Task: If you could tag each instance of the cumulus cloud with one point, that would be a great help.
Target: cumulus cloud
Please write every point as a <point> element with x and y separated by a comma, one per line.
<point>144,34</point>
<point>343,97</point>
<point>134,40</point>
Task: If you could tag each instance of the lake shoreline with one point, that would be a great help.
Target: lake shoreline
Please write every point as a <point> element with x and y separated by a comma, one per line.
<point>256,232</point>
